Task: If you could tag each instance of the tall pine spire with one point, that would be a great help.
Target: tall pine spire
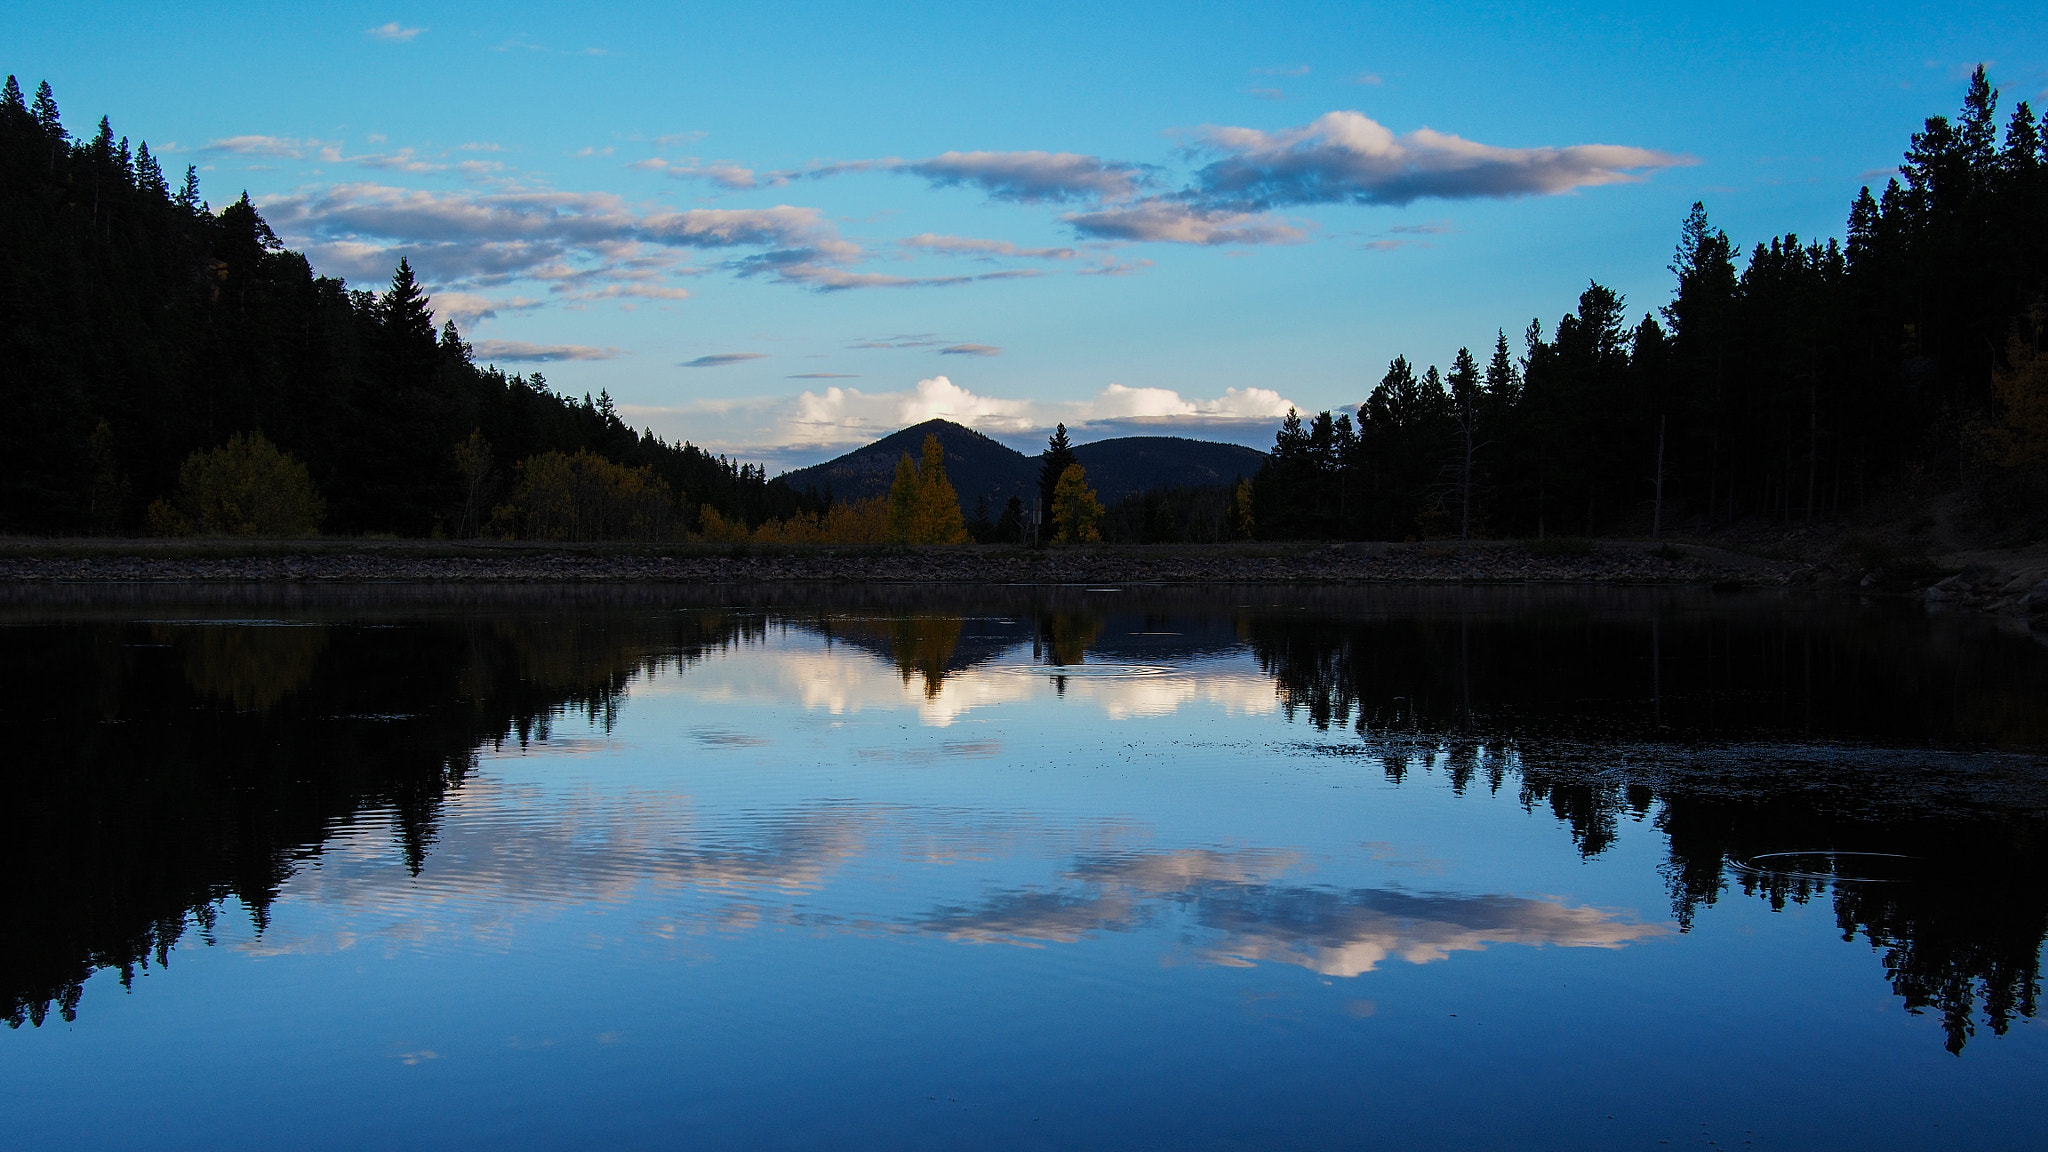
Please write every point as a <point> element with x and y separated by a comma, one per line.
<point>45,112</point>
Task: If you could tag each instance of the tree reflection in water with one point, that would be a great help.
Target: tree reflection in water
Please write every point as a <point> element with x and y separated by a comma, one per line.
<point>1749,731</point>
<point>170,760</point>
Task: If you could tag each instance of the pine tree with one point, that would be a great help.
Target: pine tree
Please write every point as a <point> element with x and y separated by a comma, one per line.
<point>149,176</point>
<point>188,192</point>
<point>1059,456</point>
<point>1466,402</point>
<point>903,502</point>
<point>11,103</point>
<point>45,112</point>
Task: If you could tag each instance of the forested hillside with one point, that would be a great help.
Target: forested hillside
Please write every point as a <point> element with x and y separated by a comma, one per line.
<point>1796,383</point>
<point>139,326</point>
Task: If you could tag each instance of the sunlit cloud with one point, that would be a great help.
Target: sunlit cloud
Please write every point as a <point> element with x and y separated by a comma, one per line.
<point>394,31</point>
<point>1165,221</point>
<point>813,425</point>
<point>1347,157</point>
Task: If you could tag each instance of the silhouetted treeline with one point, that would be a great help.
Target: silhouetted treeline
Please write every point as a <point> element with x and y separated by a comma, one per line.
<point>160,769</point>
<point>1784,386</point>
<point>1741,733</point>
<point>138,326</point>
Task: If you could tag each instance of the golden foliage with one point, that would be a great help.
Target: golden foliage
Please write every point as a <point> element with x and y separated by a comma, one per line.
<point>1075,510</point>
<point>923,506</point>
<point>245,487</point>
<point>861,522</point>
<point>586,497</point>
<point>2019,440</point>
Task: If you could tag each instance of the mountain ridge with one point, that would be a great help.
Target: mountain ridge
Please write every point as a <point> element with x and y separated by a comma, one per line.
<point>982,468</point>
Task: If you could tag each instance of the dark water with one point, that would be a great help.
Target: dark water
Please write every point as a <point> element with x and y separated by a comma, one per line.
<point>1019,868</point>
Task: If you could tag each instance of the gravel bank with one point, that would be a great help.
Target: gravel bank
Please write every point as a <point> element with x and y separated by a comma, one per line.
<point>407,561</point>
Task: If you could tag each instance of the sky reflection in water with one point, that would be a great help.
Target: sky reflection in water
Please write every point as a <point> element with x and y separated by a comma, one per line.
<point>1075,872</point>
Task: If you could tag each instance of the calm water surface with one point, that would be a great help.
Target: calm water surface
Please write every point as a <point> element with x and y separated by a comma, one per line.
<point>1019,868</point>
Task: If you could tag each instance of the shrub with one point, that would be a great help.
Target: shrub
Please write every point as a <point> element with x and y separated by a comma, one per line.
<point>245,487</point>
<point>587,497</point>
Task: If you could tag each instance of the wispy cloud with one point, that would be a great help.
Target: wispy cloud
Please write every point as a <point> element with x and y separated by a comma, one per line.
<point>521,351</point>
<point>393,31</point>
<point>1111,266</point>
<point>1369,79</point>
<point>971,350</point>
<point>1347,157</point>
<point>1033,177</point>
<point>970,246</point>
<point>275,147</point>
<point>1289,70</point>
<point>585,245</point>
<point>721,359</point>
<point>1266,93</point>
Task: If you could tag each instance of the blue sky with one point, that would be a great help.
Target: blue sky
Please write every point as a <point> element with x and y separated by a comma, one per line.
<point>780,230</point>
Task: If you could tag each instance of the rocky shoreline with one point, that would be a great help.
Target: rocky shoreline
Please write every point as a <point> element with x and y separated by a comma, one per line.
<point>2013,586</point>
<point>160,562</point>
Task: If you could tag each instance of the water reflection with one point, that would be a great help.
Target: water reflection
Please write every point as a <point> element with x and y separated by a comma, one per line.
<point>167,763</point>
<point>1237,899</point>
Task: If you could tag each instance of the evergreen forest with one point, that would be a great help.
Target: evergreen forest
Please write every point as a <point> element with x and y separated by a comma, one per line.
<point>168,366</point>
<point>142,328</point>
<point>1803,380</point>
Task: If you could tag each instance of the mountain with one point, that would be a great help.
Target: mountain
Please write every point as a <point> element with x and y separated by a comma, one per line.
<point>979,466</point>
<point>1131,464</point>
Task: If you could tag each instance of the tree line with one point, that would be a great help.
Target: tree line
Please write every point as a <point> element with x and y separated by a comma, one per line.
<point>141,328</point>
<point>1798,382</point>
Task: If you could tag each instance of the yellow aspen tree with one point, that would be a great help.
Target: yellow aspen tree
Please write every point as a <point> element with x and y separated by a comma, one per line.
<point>1075,510</point>
<point>939,520</point>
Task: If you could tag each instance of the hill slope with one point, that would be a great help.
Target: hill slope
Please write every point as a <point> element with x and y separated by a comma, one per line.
<point>979,466</point>
<point>1131,464</point>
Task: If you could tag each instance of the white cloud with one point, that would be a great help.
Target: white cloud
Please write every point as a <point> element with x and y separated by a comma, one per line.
<point>521,351</point>
<point>467,308</point>
<point>812,426</point>
<point>393,31</point>
<point>1175,222</point>
<point>1347,157</point>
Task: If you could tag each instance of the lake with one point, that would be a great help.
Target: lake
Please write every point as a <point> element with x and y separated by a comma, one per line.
<point>1025,867</point>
